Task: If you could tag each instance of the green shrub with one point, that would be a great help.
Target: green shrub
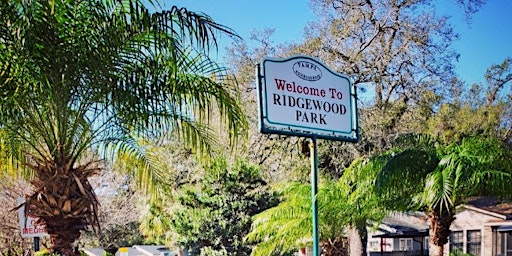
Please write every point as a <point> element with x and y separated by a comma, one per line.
<point>44,252</point>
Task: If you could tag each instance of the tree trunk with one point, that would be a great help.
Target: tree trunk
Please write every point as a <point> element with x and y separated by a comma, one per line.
<point>440,222</point>
<point>436,250</point>
<point>358,240</point>
<point>363,236</point>
<point>336,247</point>
<point>63,233</point>
<point>64,202</point>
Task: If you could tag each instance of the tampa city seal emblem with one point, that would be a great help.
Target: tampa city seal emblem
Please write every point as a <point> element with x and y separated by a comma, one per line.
<point>306,70</point>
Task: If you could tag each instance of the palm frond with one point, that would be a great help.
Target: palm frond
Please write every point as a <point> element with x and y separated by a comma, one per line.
<point>142,160</point>
<point>438,192</point>
<point>286,226</point>
<point>403,175</point>
<point>12,158</point>
<point>484,163</point>
<point>76,75</point>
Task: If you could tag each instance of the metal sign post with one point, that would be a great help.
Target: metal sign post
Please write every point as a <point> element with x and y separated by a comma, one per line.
<point>36,244</point>
<point>300,96</point>
<point>314,188</point>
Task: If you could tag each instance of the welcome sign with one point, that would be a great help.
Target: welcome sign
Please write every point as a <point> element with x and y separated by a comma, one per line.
<point>300,96</point>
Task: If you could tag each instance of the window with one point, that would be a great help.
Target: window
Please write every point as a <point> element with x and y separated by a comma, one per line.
<point>405,244</point>
<point>506,244</point>
<point>508,248</point>
<point>502,237</point>
<point>426,242</point>
<point>375,245</point>
<point>388,244</point>
<point>474,242</point>
<point>456,241</point>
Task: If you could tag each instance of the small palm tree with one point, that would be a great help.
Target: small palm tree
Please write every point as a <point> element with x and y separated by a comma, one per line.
<point>80,80</point>
<point>286,227</point>
<point>346,204</point>
<point>437,178</point>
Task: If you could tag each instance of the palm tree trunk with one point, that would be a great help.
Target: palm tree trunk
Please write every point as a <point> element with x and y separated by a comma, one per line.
<point>63,233</point>
<point>64,201</point>
<point>440,222</point>
<point>436,250</point>
<point>358,240</point>
<point>336,247</point>
<point>363,236</point>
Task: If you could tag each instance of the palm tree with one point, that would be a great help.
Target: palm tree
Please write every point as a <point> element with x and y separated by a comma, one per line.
<point>348,203</point>
<point>437,178</point>
<point>364,205</point>
<point>287,226</point>
<point>79,80</point>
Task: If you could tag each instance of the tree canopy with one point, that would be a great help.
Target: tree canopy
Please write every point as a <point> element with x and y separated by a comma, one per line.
<point>445,176</point>
<point>83,80</point>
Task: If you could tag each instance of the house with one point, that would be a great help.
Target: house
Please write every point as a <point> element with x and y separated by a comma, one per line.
<point>399,234</point>
<point>483,226</point>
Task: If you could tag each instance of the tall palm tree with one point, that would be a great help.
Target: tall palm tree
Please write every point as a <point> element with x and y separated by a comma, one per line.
<point>78,78</point>
<point>437,178</point>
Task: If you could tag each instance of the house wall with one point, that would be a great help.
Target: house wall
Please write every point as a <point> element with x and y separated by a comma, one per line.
<point>391,246</point>
<point>468,219</point>
<point>375,245</point>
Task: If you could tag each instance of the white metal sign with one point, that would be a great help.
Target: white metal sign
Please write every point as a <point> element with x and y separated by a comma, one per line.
<point>301,96</point>
<point>28,225</point>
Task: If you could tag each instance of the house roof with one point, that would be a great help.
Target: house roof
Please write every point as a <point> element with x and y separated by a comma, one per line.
<point>153,249</point>
<point>404,234</point>
<point>414,224</point>
<point>94,252</point>
<point>492,205</point>
<point>147,250</point>
<point>401,225</point>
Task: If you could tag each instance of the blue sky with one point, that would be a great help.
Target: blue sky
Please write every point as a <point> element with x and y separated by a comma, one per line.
<point>486,41</point>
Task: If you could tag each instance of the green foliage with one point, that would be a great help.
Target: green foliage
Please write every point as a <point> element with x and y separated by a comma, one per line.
<point>479,166</point>
<point>76,76</point>
<point>459,253</point>
<point>287,226</point>
<point>445,176</point>
<point>45,252</point>
<point>209,251</point>
<point>215,217</point>
<point>348,203</point>
<point>83,80</point>
<point>155,163</point>
<point>436,178</point>
<point>114,236</point>
<point>156,226</point>
<point>452,123</point>
<point>413,157</point>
